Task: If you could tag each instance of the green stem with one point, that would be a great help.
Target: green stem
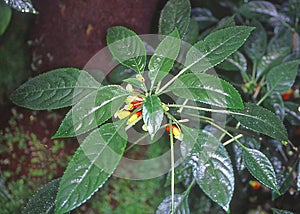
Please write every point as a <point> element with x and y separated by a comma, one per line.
<point>254,70</point>
<point>264,97</point>
<point>172,166</point>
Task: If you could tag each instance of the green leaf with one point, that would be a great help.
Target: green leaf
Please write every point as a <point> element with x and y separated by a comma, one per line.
<point>119,74</point>
<point>216,47</point>
<point>175,14</point>
<point>211,165</point>
<point>5,15</point>
<point>164,56</point>
<point>275,104</point>
<point>21,5</point>
<point>256,45</point>
<point>284,183</point>
<point>260,167</point>
<point>44,199</point>
<point>192,33</point>
<point>261,120</point>
<point>225,23</point>
<point>255,9</point>
<point>292,113</point>
<point>181,205</point>
<point>127,48</point>
<point>294,8</point>
<point>152,114</point>
<point>182,173</point>
<point>92,111</point>
<point>55,89</point>
<point>91,166</point>
<point>270,60</point>
<point>207,89</point>
<point>204,17</point>
<point>134,82</point>
<point>282,38</point>
<point>235,62</point>
<point>298,177</point>
<point>282,77</point>
<point>277,211</point>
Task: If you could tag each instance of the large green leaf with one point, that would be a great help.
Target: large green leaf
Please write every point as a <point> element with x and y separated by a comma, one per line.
<point>282,77</point>
<point>164,56</point>
<point>55,89</point>
<point>256,45</point>
<point>127,48</point>
<point>270,60</point>
<point>260,167</point>
<point>181,205</point>
<point>92,111</point>
<point>282,38</point>
<point>211,165</point>
<point>207,89</point>
<point>44,199</point>
<point>216,47</point>
<point>5,15</point>
<point>261,120</point>
<point>175,14</point>
<point>21,5</point>
<point>292,113</point>
<point>277,211</point>
<point>255,9</point>
<point>91,166</point>
<point>152,114</point>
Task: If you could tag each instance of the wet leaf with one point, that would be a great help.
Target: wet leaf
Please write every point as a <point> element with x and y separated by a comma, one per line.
<point>207,89</point>
<point>260,167</point>
<point>256,45</point>
<point>215,48</point>
<point>21,5</point>
<point>44,199</point>
<point>211,165</point>
<point>91,166</point>
<point>92,111</point>
<point>127,48</point>
<point>261,120</point>
<point>55,89</point>
<point>152,114</point>
<point>255,9</point>
<point>284,184</point>
<point>181,205</point>
<point>5,15</point>
<point>164,56</point>
<point>182,173</point>
<point>277,211</point>
<point>282,77</point>
<point>204,17</point>
<point>175,14</point>
<point>292,113</point>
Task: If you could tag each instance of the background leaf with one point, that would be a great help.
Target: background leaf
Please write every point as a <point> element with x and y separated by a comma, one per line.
<point>204,17</point>
<point>192,32</point>
<point>211,165</point>
<point>260,167</point>
<point>282,38</point>
<point>235,62</point>
<point>255,9</point>
<point>92,111</point>
<point>127,48</point>
<point>277,211</point>
<point>216,47</point>
<point>282,77</point>
<point>44,199</point>
<point>164,56</point>
<point>261,120</point>
<point>91,166</point>
<point>55,89</point>
<point>181,205</point>
<point>152,114</point>
<point>275,104</point>
<point>5,15</point>
<point>207,89</point>
<point>21,5</point>
<point>292,113</point>
<point>298,177</point>
<point>256,44</point>
<point>175,14</point>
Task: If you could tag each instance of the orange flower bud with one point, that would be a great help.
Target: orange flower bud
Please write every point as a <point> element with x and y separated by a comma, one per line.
<point>175,131</point>
<point>134,117</point>
<point>255,185</point>
<point>288,94</point>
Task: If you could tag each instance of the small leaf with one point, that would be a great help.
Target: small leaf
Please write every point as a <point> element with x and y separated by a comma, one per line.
<point>207,89</point>
<point>164,56</point>
<point>277,211</point>
<point>292,113</point>
<point>127,48</point>
<point>260,167</point>
<point>211,165</point>
<point>255,9</point>
<point>91,166</point>
<point>216,47</point>
<point>181,205</point>
<point>55,89</point>
<point>256,44</point>
<point>5,15</point>
<point>261,120</point>
<point>21,5</point>
<point>152,114</point>
<point>175,14</point>
<point>204,17</point>
<point>92,111</point>
<point>282,77</point>
<point>44,199</point>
